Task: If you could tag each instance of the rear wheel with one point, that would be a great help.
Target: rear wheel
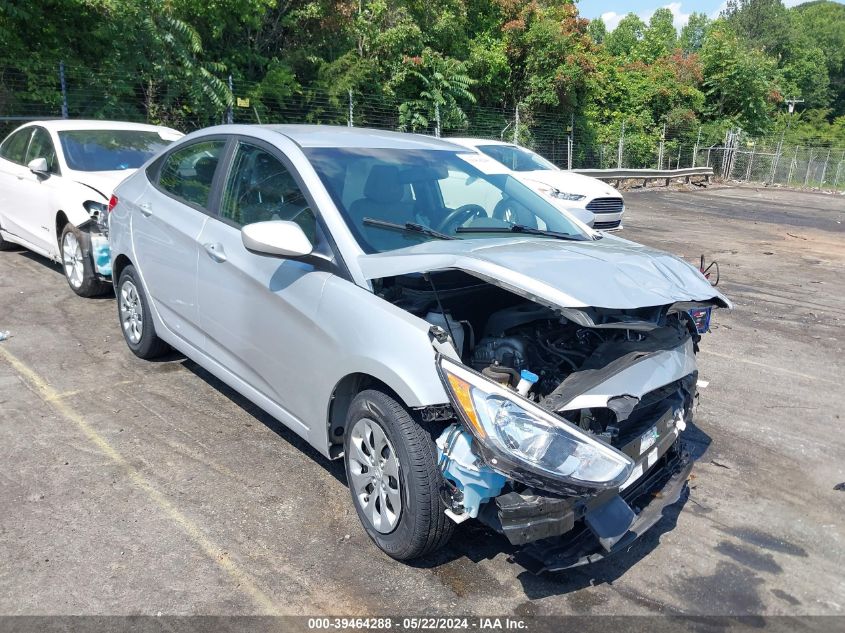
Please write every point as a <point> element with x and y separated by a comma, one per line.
<point>136,322</point>
<point>391,468</point>
<point>78,265</point>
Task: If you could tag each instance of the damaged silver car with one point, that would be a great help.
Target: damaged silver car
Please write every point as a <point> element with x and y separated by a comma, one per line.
<point>469,350</point>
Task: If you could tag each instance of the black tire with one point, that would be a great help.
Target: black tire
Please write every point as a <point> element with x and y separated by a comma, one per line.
<point>89,285</point>
<point>423,526</point>
<point>149,345</point>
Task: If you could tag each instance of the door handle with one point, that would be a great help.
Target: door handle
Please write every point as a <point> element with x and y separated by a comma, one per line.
<point>215,251</point>
<point>146,209</point>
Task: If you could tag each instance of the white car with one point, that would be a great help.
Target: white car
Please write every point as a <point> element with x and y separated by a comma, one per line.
<point>592,201</point>
<point>56,180</point>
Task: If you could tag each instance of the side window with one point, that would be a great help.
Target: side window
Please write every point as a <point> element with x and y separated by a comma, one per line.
<point>41,146</point>
<point>188,173</point>
<point>260,188</point>
<point>14,147</point>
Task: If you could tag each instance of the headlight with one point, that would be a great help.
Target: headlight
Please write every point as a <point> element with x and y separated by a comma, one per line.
<point>562,195</point>
<point>520,434</point>
<point>99,213</point>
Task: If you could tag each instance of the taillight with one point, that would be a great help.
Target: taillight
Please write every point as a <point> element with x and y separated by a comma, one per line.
<point>112,203</point>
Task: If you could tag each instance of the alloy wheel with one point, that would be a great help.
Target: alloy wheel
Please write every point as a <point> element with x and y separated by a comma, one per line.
<point>374,474</point>
<point>72,260</point>
<point>131,312</point>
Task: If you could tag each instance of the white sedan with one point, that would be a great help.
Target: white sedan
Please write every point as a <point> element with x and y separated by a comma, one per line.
<point>592,201</point>
<point>56,180</point>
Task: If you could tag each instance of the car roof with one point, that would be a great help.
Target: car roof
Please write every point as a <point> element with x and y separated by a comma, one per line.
<point>343,136</point>
<point>60,125</point>
<point>475,142</point>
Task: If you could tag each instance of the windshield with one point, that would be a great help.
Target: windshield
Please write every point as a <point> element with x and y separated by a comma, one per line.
<point>109,150</point>
<point>517,158</point>
<point>452,193</point>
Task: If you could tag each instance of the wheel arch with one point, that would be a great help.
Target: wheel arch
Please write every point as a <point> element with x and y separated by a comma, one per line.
<point>342,396</point>
<point>118,266</point>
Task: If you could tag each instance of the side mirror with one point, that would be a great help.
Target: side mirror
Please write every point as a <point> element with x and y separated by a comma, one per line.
<point>39,167</point>
<point>276,237</point>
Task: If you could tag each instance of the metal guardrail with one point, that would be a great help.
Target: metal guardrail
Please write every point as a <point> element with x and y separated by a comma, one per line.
<point>647,174</point>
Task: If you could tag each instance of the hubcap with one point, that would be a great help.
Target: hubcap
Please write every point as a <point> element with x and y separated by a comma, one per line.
<point>374,475</point>
<point>131,312</point>
<point>72,260</point>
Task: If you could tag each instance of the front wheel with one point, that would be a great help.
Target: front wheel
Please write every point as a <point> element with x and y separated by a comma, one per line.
<point>391,467</point>
<point>78,265</point>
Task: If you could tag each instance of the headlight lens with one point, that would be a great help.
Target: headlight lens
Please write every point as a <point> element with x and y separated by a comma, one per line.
<point>531,438</point>
<point>563,195</point>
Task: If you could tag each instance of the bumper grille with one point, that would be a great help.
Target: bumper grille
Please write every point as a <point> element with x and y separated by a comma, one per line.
<point>606,225</point>
<point>606,205</point>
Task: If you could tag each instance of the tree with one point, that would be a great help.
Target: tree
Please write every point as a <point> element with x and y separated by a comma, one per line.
<point>597,30</point>
<point>765,23</point>
<point>443,84</point>
<point>624,39</point>
<point>693,33</point>
<point>660,38</point>
<point>739,82</point>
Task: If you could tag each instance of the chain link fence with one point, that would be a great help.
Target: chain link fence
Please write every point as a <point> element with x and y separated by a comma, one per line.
<point>570,140</point>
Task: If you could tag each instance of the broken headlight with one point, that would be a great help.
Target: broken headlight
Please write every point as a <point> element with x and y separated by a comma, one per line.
<point>99,214</point>
<point>518,432</point>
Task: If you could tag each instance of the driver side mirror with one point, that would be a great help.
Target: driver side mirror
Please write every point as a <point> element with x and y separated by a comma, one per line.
<point>279,238</point>
<point>39,167</point>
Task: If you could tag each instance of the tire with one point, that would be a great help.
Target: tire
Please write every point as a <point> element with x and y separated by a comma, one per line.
<point>420,526</point>
<point>136,321</point>
<point>77,264</point>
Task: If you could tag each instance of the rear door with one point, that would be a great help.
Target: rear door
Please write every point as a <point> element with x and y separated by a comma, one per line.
<point>166,223</point>
<point>15,179</point>
<point>257,311</point>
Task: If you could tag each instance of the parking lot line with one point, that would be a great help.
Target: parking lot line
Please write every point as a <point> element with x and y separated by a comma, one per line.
<point>215,553</point>
<point>782,370</point>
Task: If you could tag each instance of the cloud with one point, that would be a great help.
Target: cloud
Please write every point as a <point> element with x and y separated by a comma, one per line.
<point>611,19</point>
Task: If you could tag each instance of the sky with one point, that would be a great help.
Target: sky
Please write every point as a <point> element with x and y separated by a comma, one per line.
<point>611,11</point>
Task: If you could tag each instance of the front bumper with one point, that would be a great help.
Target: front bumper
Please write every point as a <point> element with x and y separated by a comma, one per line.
<point>586,542</point>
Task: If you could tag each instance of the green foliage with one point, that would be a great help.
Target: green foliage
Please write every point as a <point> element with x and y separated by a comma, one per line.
<point>169,60</point>
<point>625,38</point>
<point>693,33</point>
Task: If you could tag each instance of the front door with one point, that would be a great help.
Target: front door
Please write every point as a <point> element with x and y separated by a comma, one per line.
<point>257,312</point>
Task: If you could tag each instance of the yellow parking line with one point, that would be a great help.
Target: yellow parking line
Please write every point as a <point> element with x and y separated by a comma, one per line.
<point>215,553</point>
<point>782,370</point>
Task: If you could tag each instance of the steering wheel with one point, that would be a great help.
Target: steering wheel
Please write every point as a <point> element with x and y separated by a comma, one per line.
<point>508,210</point>
<point>461,215</point>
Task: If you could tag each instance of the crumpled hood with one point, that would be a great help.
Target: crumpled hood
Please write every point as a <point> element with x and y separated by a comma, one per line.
<point>570,182</point>
<point>103,182</point>
<point>608,273</point>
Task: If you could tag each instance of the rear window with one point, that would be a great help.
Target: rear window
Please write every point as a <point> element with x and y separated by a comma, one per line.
<point>110,150</point>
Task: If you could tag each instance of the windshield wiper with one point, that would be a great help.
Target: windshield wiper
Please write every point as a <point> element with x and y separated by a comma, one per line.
<point>409,227</point>
<point>517,228</point>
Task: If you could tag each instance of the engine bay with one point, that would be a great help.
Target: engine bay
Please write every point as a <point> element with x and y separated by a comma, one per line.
<point>548,355</point>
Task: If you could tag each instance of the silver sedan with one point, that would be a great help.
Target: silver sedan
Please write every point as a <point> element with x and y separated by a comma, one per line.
<point>409,306</point>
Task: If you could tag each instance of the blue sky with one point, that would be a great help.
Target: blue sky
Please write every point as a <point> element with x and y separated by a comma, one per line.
<point>614,10</point>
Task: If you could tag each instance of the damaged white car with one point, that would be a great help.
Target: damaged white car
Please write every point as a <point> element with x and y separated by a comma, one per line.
<point>514,368</point>
<point>56,179</point>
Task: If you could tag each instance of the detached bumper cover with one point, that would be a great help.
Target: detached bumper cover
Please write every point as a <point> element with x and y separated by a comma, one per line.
<point>647,501</point>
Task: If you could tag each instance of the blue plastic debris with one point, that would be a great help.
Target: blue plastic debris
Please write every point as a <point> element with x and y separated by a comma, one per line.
<point>478,482</point>
<point>101,254</point>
